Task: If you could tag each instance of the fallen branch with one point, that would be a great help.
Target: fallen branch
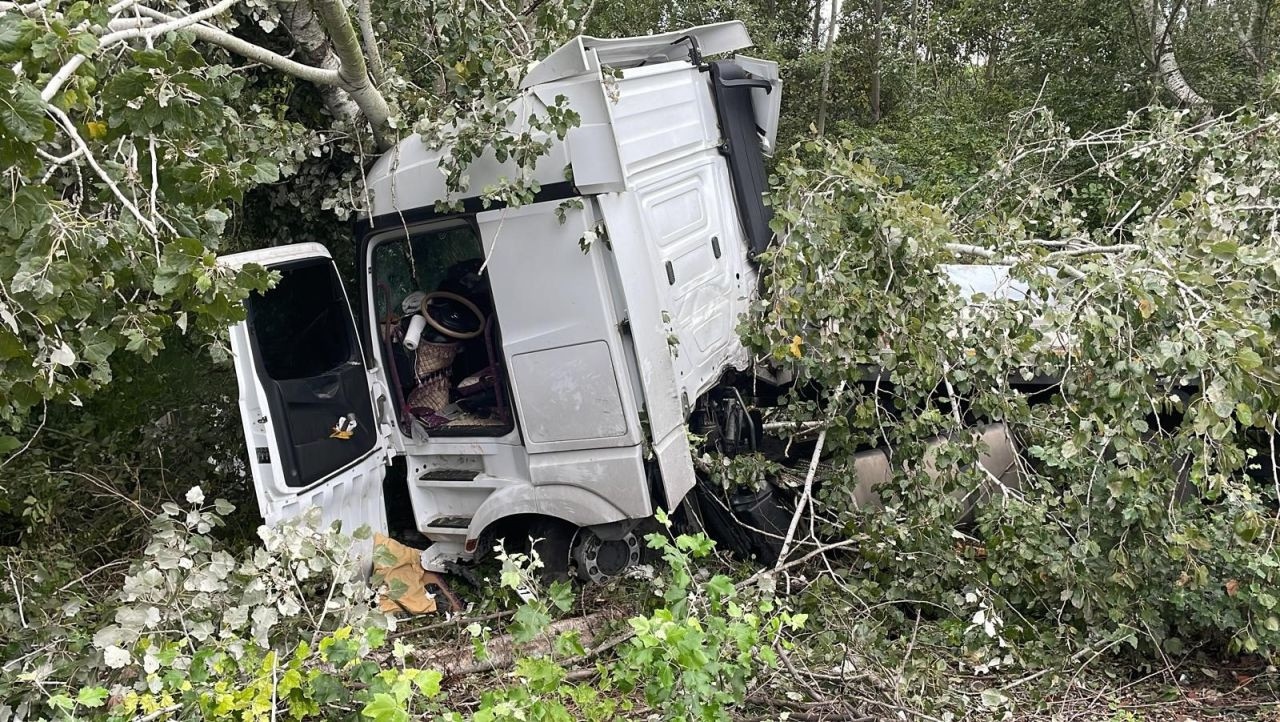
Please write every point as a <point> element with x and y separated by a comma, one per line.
<point>503,652</point>
<point>795,562</point>
<point>805,495</point>
<point>70,128</point>
<point>69,68</point>
<point>452,622</point>
<point>256,53</point>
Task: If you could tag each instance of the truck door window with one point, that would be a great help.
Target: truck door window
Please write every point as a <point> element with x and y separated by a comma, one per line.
<point>297,337</point>
<point>433,254</point>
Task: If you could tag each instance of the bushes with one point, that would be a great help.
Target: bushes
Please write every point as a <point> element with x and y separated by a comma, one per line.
<point>288,630</point>
<point>1148,512</point>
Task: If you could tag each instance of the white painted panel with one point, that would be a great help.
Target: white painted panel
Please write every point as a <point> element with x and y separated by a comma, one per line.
<point>569,393</point>
<point>662,113</point>
<point>353,495</point>
<point>617,475</point>
<point>678,214</point>
<point>639,272</point>
<point>674,458</point>
<point>684,206</point>
<point>559,329</point>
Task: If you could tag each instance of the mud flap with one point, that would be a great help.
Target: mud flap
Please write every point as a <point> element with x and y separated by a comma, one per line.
<point>676,465</point>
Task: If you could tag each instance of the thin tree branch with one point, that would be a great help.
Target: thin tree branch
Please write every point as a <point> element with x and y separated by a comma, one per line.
<point>365,18</point>
<point>69,68</point>
<point>256,53</point>
<point>70,128</point>
<point>24,8</point>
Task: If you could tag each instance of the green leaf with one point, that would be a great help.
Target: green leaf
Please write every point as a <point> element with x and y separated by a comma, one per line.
<point>151,58</point>
<point>528,623</point>
<point>1248,359</point>
<point>22,111</point>
<point>61,701</point>
<point>15,33</point>
<point>561,595</point>
<point>98,345</point>
<point>92,697</point>
<point>428,681</point>
<point>994,698</point>
<point>383,556</point>
<point>720,587</point>
<point>384,708</point>
<point>86,43</point>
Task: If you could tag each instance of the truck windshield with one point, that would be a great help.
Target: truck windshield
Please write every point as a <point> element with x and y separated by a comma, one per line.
<point>421,262</point>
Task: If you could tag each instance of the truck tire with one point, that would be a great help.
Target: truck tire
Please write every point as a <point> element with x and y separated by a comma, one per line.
<point>552,539</point>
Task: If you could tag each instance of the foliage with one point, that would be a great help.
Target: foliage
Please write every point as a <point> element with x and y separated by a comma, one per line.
<point>287,630</point>
<point>472,104</point>
<point>86,270</point>
<point>122,183</point>
<point>696,655</point>
<point>1145,512</point>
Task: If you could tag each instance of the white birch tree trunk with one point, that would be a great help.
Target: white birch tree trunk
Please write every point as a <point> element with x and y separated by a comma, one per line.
<point>1167,61</point>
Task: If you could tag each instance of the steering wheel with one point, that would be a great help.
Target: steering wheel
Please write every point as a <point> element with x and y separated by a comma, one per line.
<point>449,314</point>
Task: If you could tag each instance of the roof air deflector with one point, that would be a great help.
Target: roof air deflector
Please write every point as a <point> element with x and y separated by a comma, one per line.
<point>574,57</point>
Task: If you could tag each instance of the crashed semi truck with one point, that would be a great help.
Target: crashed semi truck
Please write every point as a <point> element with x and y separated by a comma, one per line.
<point>490,375</point>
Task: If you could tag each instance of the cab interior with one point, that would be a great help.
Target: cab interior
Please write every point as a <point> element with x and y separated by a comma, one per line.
<point>438,332</point>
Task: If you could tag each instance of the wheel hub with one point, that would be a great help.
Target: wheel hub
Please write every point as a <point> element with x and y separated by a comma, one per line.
<point>599,560</point>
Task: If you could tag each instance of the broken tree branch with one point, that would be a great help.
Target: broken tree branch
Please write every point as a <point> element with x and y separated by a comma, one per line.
<point>329,28</point>
<point>70,127</point>
<point>353,73</point>
<point>806,495</point>
<point>502,652</point>
<point>256,53</point>
<point>364,16</point>
<point>69,68</point>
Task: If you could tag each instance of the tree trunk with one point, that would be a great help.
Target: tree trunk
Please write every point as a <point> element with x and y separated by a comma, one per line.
<point>353,72</point>
<point>312,45</point>
<point>324,36</point>
<point>877,17</point>
<point>502,652</point>
<point>993,57</point>
<point>816,29</point>
<point>1251,30</point>
<point>826,66</point>
<point>1167,62</point>
<point>1262,43</point>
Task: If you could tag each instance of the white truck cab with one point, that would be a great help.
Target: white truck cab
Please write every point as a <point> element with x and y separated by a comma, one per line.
<point>521,369</point>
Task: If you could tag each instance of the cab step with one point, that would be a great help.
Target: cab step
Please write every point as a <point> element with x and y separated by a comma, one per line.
<point>449,475</point>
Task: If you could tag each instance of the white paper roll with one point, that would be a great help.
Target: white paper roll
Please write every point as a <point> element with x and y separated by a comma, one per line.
<point>414,334</point>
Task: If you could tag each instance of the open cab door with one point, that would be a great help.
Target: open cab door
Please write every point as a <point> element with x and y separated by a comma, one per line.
<point>309,422</point>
